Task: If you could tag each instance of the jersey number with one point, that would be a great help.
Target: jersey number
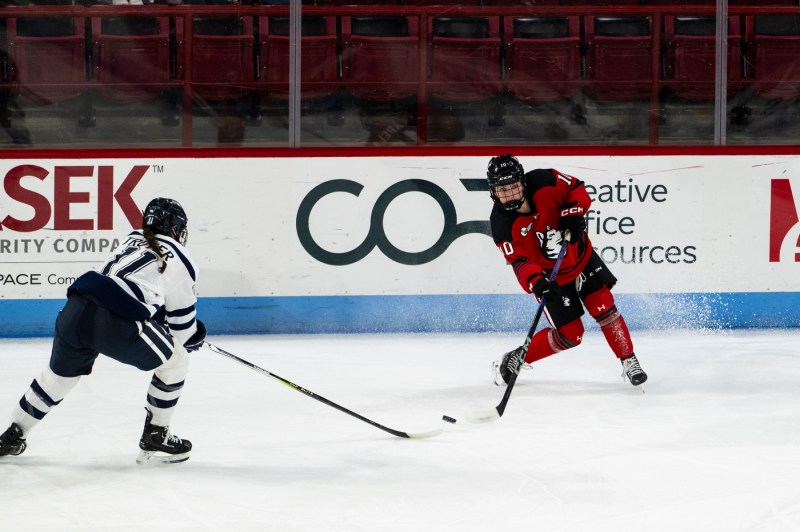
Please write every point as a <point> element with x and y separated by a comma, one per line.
<point>146,258</point>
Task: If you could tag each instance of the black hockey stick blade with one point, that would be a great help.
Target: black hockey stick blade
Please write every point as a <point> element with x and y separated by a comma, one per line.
<point>309,393</point>
<point>489,415</point>
<point>486,416</point>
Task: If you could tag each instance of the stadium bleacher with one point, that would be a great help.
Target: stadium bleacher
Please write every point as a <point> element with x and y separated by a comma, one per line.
<point>499,68</point>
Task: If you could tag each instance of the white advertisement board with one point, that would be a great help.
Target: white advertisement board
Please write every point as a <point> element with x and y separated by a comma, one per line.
<point>400,226</point>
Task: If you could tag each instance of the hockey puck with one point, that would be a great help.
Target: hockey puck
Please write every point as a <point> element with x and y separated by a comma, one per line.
<point>449,419</point>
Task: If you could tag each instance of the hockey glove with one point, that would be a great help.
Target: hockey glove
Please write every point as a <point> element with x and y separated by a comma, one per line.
<point>571,222</point>
<point>547,290</point>
<point>195,342</point>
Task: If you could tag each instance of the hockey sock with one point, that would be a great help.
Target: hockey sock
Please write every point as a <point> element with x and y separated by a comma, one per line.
<point>163,398</point>
<point>550,341</point>
<point>45,392</point>
<point>600,305</point>
<point>616,332</point>
<point>166,387</point>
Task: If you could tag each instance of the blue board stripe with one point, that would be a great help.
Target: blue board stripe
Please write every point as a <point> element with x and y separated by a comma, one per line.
<point>439,313</point>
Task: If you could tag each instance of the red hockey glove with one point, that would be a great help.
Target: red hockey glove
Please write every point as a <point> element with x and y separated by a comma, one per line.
<point>571,222</point>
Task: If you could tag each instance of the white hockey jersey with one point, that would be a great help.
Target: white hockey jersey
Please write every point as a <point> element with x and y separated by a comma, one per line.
<point>130,284</point>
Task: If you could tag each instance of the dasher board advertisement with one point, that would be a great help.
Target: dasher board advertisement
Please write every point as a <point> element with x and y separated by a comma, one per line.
<point>354,244</point>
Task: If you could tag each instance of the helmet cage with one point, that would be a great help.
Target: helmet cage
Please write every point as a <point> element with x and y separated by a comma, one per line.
<point>505,170</point>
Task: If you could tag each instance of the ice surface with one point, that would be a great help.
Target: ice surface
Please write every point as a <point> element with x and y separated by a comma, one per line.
<point>713,444</point>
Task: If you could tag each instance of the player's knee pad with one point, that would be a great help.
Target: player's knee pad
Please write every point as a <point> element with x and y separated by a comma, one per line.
<point>175,368</point>
<point>600,304</point>
<point>567,336</point>
<point>56,386</point>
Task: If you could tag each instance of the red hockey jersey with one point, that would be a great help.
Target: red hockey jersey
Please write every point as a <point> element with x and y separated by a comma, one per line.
<point>531,242</point>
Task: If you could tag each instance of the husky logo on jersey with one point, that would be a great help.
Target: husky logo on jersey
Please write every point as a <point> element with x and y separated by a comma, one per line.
<point>550,243</point>
<point>784,230</point>
<point>525,230</point>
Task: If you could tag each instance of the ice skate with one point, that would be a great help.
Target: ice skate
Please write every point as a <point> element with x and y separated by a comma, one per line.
<point>633,371</point>
<point>11,441</point>
<point>510,363</point>
<point>159,446</point>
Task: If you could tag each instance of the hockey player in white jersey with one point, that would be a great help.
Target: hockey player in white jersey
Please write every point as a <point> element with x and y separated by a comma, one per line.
<point>139,309</point>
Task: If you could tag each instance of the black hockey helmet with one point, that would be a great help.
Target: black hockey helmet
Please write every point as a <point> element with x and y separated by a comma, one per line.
<point>166,217</point>
<point>505,170</point>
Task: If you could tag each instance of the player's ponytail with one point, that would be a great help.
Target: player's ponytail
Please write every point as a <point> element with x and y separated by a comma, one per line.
<point>153,244</point>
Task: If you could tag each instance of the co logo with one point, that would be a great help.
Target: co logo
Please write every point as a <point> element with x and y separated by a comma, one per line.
<point>377,235</point>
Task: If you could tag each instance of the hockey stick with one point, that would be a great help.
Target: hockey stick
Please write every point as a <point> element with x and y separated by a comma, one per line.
<point>485,416</point>
<point>309,393</point>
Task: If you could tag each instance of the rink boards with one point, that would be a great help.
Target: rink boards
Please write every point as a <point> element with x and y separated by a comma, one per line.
<point>314,243</point>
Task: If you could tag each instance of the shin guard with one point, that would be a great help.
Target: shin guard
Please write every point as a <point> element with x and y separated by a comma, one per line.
<point>551,341</point>
<point>45,392</point>
<point>600,305</point>
<point>166,387</point>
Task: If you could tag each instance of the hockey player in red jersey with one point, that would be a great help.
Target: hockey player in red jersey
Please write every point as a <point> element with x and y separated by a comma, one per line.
<point>533,214</point>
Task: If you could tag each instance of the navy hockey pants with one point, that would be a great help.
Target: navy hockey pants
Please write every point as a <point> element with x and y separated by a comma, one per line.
<point>84,329</point>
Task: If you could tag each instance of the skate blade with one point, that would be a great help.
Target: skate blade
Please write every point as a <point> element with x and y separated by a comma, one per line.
<point>496,378</point>
<point>155,457</point>
<point>16,451</point>
<point>639,386</point>
<point>19,450</point>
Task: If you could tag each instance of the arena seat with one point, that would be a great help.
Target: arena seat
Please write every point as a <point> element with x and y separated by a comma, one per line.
<point>318,55</point>
<point>690,56</point>
<point>686,2</point>
<point>446,2</point>
<point>380,56</point>
<point>776,55</point>
<point>131,57</point>
<point>543,58</point>
<point>603,2</point>
<point>47,57</point>
<point>730,2</point>
<point>619,57</point>
<point>223,58</point>
<point>464,58</point>
<point>362,2</point>
<point>517,2</point>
